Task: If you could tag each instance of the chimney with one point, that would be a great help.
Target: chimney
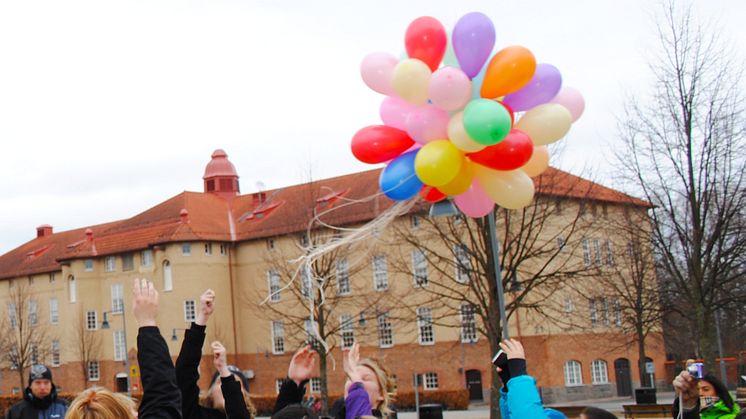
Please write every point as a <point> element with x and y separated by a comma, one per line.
<point>43,230</point>
<point>184,215</point>
<point>89,234</point>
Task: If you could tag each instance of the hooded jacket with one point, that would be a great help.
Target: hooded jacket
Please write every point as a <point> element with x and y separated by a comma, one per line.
<point>717,411</point>
<point>32,407</point>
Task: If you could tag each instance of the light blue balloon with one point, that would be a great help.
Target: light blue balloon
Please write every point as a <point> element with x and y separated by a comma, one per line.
<point>398,180</point>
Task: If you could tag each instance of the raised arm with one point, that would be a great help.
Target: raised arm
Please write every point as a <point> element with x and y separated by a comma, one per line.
<point>301,368</point>
<point>235,406</point>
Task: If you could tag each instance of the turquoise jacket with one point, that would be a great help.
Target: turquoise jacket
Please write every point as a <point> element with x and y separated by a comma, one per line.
<point>522,401</point>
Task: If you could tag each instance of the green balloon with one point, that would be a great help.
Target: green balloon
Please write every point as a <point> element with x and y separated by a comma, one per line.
<point>486,121</point>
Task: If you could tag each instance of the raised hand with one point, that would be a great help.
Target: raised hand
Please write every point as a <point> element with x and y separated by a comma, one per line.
<point>145,302</point>
<point>219,359</point>
<point>350,360</point>
<point>303,365</point>
<point>513,349</point>
<point>686,386</point>
<point>206,307</point>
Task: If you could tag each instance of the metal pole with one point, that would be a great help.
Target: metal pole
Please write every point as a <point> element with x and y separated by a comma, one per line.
<point>498,274</point>
<point>723,372</point>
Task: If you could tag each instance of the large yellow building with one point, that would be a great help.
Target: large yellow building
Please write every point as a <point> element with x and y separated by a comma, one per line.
<point>61,286</point>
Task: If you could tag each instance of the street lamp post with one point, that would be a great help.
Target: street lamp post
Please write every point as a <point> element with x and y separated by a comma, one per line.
<point>105,325</point>
<point>446,208</point>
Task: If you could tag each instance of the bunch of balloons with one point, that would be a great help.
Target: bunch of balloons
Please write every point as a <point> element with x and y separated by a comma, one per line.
<point>462,122</point>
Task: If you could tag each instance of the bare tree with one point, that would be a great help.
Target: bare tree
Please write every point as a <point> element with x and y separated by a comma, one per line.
<point>88,344</point>
<point>25,339</point>
<point>536,247</point>
<point>683,151</point>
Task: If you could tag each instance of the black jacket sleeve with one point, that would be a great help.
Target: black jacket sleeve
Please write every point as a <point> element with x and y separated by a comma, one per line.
<point>290,393</point>
<point>161,397</point>
<point>235,406</point>
<point>688,414</point>
<point>186,371</point>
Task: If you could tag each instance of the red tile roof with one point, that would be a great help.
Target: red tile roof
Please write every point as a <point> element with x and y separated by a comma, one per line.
<point>355,199</point>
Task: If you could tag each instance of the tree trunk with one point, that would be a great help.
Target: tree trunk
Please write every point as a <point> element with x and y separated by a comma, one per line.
<point>641,357</point>
<point>324,383</point>
<point>495,382</point>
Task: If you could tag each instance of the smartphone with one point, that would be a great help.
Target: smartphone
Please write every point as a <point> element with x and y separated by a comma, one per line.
<point>500,359</point>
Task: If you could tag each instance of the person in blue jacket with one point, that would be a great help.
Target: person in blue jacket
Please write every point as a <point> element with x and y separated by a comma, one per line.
<point>519,398</point>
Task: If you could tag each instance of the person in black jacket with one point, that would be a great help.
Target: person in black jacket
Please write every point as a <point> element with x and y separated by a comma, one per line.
<point>231,398</point>
<point>39,398</point>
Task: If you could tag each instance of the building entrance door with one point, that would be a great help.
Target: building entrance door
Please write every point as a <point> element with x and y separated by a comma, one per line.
<point>474,384</point>
<point>623,377</point>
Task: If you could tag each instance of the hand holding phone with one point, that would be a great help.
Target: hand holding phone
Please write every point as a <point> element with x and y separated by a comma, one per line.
<point>500,359</point>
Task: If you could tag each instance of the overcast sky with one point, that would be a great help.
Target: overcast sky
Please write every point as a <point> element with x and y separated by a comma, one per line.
<point>110,107</point>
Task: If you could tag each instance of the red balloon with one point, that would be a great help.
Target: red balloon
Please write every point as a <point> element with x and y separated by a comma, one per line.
<point>509,154</point>
<point>510,111</point>
<point>431,194</point>
<point>426,40</point>
<point>379,143</point>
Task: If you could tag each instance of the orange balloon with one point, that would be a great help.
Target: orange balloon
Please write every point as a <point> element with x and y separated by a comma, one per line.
<point>509,70</point>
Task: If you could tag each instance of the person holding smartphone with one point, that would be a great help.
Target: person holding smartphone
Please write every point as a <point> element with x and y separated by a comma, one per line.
<point>705,397</point>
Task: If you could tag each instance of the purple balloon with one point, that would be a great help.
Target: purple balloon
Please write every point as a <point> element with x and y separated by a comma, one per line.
<point>473,38</point>
<point>542,88</point>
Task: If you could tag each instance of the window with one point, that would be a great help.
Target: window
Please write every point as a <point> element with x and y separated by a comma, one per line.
<point>117,298</point>
<point>52,278</point>
<point>419,268</point>
<point>72,289</point>
<point>278,384</point>
<point>15,391</point>
<point>573,375</point>
<point>146,258</point>
<point>31,280</point>
<point>306,287</point>
<point>425,325</point>
<point>13,357</point>
<point>12,315</point>
<point>604,310</point>
<point>93,371</point>
<point>34,354</point>
<point>599,373</point>
<point>430,381</point>
<point>347,331</point>
<point>597,251</point>
<point>110,264</point>
<point>609,253</point>
<point>120,346</point>
<point>33,319</point>
<point>586,252</point>
<point>315,385</point>
<point>278,337</point>
<point>128,262</point>
<point>303,240</point>
<point>190,310</point>
<point>208,249</point>
<point>270,244</point>
<point>55,353</point>
<point>380,273</point>
<point>568,304</point>
<point>343,277</point>
<point>168,279</point>
<point>273,277</point>
<point>385,333</point>
<point>91,320</point>
<point>414,221</point>
<point>463,263</point>
<point>617,312</point>
<point>88,265</point>
<point>561,243</point>
<point>54,311</point>
<point>468,324</point>
<point>186,249</point>
<point>223,249</point>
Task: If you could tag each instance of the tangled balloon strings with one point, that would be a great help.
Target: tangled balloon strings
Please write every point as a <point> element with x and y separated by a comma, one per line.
<point>451,130</point>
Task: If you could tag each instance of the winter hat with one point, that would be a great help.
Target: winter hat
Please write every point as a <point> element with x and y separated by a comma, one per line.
<point>554,414</point>
<point>236,372</point>
<point>39,372</point>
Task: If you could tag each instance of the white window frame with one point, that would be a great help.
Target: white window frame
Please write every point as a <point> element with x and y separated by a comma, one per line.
<point>419,268</point>
<point>33,313</point>
<point>346,331</point>
<point>430,381</point>
<point>186,249</point>
<point>94,371</point>
<point>597,252</point>
<point>343,277</point>
<point>72,289</point>
<point>128,262</point>
<point>380,273</point>
<point>91,320</point>
<point>277,328</point>
<point>609,247</point>
<point>13,315</point>
<point>117,298</point>
<point>617,308</point>
<point>599,372</point>
<point>190,310</point>
<point>278,384</point>
<point>462,262</point>
<point>146,258</point>
<point>223,249</point>
<point>385,330</point>
<point>120,346</point>
<point>593,312</point>
<point>306,284</point>
<point>168,276</point>
<point>54,311</point>
<point>561,243</point>
<point>88,265</point>
<point>569,306</point>
<point>315,385</point>
<point>425,330</point>
<point>586,252</point>
<point>208,249</point>
<point>414,221</point>
<point>273,285</point>
<point>468,323</point>
<point>110,264</point>
<point>573,373</point>
<point>56,360</point>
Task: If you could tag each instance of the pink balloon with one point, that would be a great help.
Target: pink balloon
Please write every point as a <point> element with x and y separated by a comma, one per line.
<point>571,99</point>
<point>427,123</point>
<point>394,112</point>
<point>474,202</point>
<point>450,88</point>
<point>376,70</point>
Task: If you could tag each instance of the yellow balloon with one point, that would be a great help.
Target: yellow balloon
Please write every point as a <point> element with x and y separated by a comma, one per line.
<point>459,137</point>
<point>538,162</point>
<point>512,189</point>
<point>546,123</point>
<point>461,182</point>
<point>411,80</point>
<point>438,162</point>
